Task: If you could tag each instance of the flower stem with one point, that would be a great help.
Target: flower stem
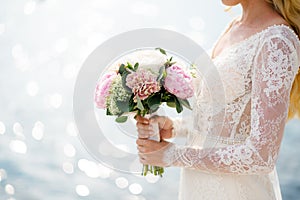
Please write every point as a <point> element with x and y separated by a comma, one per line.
<point>156,171</point>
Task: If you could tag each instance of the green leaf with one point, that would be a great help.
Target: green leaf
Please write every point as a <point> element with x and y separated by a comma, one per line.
<point>121,119</point>
<point>131,103</point>
<point>139,103</point>
<point>179,107</point>
<point>143,113</point>
<point>153,106</point>
<point>167,97</point>
<point>162,73</point>
<point>169,63</point>
<point>154,99</point>
<point>122,69</point>
<point>123,105</point>
<point>171,104</point>
<point>161,50</point>
<point>185,103</point>
<point>108,112</point>
<point>129,66</point>
<point>193,70</point>
<point>136,66</point>
<point>124,76</point>
<point>154,102</point>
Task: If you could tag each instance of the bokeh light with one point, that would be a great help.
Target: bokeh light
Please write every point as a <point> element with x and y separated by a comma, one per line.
<point>82,190</point>
<point>18,129</point>
<point>18,146</point>
<point>3,175</point>
<point>29,7</point>
<point>38,131</point>
<point>69,150</point>
<point>43,45</point>
<point>32,88</point>
<point>93,170</point>
<point>9,189</point>
<point>135,188</point>
<point>152,179</point>
<point>121,182</point>
<point>68,168</point>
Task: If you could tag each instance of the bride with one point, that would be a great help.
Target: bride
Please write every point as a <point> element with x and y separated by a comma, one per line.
<point>260,52</point>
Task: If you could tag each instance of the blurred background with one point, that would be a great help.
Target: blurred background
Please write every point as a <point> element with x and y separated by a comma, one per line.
<point>43,44</point>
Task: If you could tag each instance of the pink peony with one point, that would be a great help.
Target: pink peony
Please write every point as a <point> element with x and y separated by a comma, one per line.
<point>143,83</point>
<point>102,89</point>
<point>178,82</point>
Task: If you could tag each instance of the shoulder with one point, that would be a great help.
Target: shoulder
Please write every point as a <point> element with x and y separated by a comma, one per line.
<point>280,33</point>
<point>279,44</point>
<point>280,38</point>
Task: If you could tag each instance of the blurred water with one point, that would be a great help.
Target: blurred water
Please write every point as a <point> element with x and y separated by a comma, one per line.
<point>42,46</point>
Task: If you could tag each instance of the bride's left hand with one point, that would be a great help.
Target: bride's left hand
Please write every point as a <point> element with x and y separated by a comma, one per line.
<point>152,152</point>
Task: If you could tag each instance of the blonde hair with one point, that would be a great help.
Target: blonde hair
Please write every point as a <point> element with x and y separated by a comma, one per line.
<point>290,11</point>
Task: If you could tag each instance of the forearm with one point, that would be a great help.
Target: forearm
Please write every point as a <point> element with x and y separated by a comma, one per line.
<point>235,159</point>
<point>180,127</point>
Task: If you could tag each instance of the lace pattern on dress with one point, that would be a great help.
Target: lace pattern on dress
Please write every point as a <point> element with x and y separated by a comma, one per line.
<point>267,65</point>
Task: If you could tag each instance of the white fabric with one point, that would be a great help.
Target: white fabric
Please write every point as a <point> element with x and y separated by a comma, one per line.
<point>257,75</point>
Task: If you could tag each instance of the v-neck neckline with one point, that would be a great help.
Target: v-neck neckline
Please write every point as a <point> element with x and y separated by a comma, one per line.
<point>213,57</point>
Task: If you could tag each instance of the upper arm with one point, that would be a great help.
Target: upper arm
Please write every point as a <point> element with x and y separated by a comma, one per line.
<point>272,78</point>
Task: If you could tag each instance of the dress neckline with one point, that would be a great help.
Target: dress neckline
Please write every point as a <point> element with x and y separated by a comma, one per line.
<point>213,57</point>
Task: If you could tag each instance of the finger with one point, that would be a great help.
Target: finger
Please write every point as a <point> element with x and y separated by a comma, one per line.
<point>141,149</point>
<point>143,126</point>
<point>145,132</point>
<point>141,142</point>
<point>165,134</point>
<point>142,156</point>
<point>146,143</point>
<point>142,134</point>
<point>143,161</point>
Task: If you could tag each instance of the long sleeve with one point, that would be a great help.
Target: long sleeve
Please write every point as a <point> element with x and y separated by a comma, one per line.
<point>274,69</point>
<point>181,127</point>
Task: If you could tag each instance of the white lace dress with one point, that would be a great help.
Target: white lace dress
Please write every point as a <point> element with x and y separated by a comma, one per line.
<point>257,75</point>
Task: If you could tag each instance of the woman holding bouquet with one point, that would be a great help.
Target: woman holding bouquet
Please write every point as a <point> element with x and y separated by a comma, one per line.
<point>259,55</point>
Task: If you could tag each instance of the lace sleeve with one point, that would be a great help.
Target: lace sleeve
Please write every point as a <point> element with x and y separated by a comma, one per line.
<point>181,127</point>
<point>177,122</point>
<point>274,70</point>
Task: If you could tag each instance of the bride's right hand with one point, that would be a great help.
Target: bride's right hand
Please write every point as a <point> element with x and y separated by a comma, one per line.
<point>145,130</point>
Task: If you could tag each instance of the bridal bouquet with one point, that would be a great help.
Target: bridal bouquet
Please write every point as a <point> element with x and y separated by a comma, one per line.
<point>137,89</point>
